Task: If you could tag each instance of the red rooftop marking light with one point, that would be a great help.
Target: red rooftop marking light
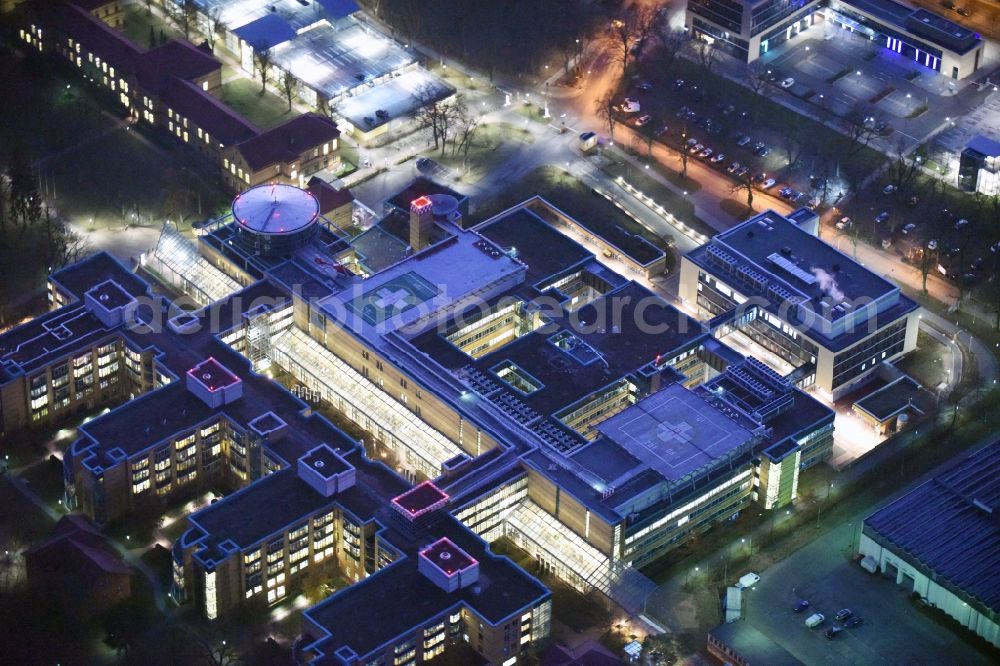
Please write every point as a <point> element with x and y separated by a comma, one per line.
<point>419,500</point>
<point>421,202</point>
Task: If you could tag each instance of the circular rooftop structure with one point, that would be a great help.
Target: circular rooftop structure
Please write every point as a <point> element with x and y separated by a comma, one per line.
<point>443,205</point>
<point>275,219</point>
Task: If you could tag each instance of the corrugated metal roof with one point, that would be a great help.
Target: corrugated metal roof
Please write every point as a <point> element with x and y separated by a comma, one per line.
<point>951,525</point>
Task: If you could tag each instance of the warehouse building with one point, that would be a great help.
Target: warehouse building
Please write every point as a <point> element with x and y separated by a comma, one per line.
<point>941,541</point>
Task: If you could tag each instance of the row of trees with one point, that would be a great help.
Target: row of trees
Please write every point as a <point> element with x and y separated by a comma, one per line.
<point>34,239</point>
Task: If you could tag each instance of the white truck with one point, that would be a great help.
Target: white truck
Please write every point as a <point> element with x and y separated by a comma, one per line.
<point>747,580</point>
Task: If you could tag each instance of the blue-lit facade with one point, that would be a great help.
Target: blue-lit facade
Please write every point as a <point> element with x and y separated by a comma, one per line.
<point>747,30</point>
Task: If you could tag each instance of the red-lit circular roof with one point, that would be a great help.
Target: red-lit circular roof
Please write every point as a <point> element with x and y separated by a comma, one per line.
<point>275,209</point>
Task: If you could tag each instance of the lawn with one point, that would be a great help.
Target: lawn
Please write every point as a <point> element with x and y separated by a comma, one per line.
<point>49,113</point>
<point>570,195</point>
<point>22,523</point>
<point>263,110</point>
<point>926,363</point>
<point>491,145</point>
<point>135,175</point>
<point>675,204</point>
<point>46,479</point>
<point>137,24</point>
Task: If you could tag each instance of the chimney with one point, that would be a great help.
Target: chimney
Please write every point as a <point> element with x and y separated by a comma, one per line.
<point>421,222</point>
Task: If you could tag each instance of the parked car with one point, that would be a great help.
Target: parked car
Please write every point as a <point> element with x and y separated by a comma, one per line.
<point>645,86</point>
<point>913,201</point>
<point>706,153</point>
<point>718,157</point>
<point>800,606</point>
<point>786,192</point>
<point>787,83</point>
<point>763,151</point>
<point>843,614</point>
<point>909,228</point>
<point>768,183</point>
<point>682,112</point>
<point>814,203</point>
<point>961,223</point>
<point>643,120</point>
<point>832,632</point>
<point>886,243</point>
<point>734,167</point>
<point>963,11</point>
<point>854,621</point>
<point>743,140</point>
<point>630,105</point>
<point>742,171</point>
<point>815,620</point>
<point>696,148</point>
<point>844,223</point>
<point>747,580</point>
<point>889,189</point>
<point>663,130</point>
<point>882,217</point>
<point>692,141</point>
<point>678,84</point>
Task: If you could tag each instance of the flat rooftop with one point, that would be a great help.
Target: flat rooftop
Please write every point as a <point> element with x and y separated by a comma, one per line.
<point>36,343</point>
<point>543,248</point>
<point>502,590</point>
<point>212,375</point>
<point>675,432</point>
<point>447,557</point>
<point>420,187</point>
<point>811,266</point>
<point>396,98</point>
<point>895,397</point>
<point>752,646</point>
<point>420,499</point>
<point>333,60</point>
<point>423,283</point>
<point>110,295</point>
<point>948,526</point>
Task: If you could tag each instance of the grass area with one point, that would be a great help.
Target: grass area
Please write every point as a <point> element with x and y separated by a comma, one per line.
<point>570,195</point>
<point>492,144</point>
<point>674,203</point>
<point>21,521</point>
<point>265,110</point>
<point>926,363</point>
<point>49,113</point>
<point>134,176</point>
<point>738,209</point>
<point>137,24</point>
<point>46,479</point>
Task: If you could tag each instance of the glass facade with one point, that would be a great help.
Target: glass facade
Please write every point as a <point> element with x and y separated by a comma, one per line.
<point>725,13</point>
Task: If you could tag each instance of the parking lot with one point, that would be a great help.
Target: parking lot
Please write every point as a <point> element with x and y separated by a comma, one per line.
<point>894,629</point>
<point>841,72</point>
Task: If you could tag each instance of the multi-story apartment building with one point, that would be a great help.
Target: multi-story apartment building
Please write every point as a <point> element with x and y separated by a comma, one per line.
<point>288,153</point>
<point>75,357</point>
<point>830,318</point>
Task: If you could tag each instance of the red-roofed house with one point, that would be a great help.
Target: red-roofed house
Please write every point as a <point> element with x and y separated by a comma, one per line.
<point>288,153</point>
<point>170,87</point>
<point>78,566</point>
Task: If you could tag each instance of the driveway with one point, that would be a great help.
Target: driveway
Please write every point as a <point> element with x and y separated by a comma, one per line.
<point>894,631</point>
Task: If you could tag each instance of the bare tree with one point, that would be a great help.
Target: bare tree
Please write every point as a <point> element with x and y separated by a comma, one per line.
<point>859,126</point>
<point>744,183</point>
<point>706,53</point>
<point>648,133</point>
<point>216,28</point>
<point>902,169</point>
<point>468,125</point>
<point>756,76</point>
<point>682,152</point>
<point>606,111</point>
<point>184,13</point>
<point>289,86</point>
<point>263,62</point>
<point>668,50</point>
<point>436,115</point>
<point>793,139</point>
<point>629,33</point>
